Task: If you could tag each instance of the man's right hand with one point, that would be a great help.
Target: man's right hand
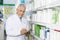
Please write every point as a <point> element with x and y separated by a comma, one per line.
<point>23,31</point>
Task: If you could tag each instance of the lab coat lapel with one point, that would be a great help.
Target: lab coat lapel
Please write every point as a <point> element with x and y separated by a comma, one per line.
<point>20,23</point>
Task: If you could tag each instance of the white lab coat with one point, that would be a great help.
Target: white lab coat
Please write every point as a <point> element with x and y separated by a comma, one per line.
<point>14,26</point>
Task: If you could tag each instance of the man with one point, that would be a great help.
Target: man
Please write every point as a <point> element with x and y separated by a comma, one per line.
<point>16,25</point>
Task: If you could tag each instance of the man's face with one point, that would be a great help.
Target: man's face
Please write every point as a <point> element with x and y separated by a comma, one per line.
<point>21,10</point>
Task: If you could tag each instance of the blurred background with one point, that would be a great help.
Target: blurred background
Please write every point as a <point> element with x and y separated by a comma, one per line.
<point>43,15</point>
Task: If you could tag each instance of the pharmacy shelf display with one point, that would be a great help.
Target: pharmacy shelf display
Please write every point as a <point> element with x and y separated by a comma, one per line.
<point>47,15</point>
<point>36,37</point>
<point>47,25</point>
<point>44,33</point>
<point>46,5</point>
<point>39,31</point>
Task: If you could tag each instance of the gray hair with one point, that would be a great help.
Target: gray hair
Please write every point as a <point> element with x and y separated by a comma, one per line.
<point>20,6</point>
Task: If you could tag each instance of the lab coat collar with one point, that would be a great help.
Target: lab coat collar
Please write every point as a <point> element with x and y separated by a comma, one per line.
<point>19,16</point>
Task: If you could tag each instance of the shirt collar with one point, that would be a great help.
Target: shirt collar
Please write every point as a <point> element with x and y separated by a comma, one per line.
<point>19,16</point>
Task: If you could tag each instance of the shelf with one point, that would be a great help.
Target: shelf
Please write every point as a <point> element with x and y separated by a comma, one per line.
<point>36,37</point>
<point>50,26</point>
<point>52,5</point>
<point>8,4</point>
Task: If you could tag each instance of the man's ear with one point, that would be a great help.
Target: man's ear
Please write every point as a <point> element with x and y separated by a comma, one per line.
<point>17,10</point>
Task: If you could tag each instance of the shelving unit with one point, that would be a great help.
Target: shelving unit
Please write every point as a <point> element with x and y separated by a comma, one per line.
<point>33,35</point>
<point>47,24</point>
<point>54,28</point>
<point>51,5</point>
